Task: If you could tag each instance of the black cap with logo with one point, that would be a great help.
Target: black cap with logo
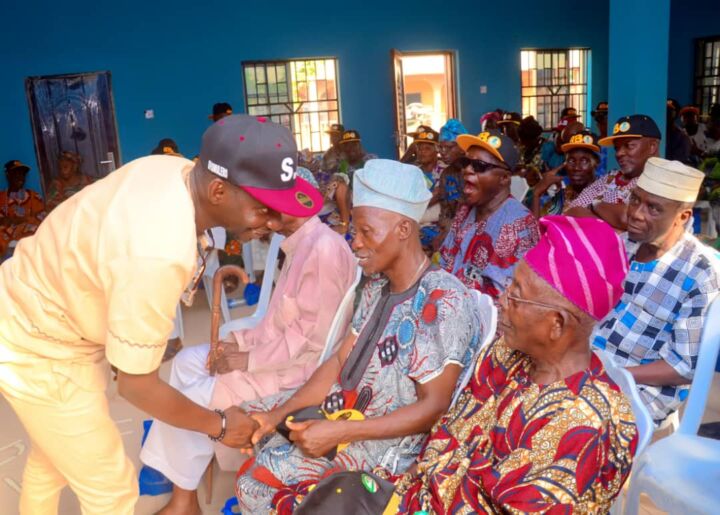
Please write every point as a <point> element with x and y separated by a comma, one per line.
<point>336,128</point>
<point>259,156</point>
<point>427,136</point>
<point>633,126</point>
<point>584,139</point>
<point>349,136</point>
<point>510,117</point>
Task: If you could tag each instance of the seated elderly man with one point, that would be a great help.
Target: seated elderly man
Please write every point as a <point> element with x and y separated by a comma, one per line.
<point>492,230</point>
<point>541,427</point>
<point>656,327</point>
<point>414,330</point>
<point>278,354</point>
<point>636,139</point>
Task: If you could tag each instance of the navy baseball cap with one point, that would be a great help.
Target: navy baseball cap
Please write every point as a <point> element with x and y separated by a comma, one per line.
<point>260,157</point>
<point>633,126</point>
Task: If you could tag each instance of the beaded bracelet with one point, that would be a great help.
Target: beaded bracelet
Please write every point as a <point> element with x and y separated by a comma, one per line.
<point>223,426</point>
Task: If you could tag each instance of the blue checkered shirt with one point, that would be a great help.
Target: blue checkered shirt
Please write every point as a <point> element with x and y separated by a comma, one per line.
<point>661,315</point>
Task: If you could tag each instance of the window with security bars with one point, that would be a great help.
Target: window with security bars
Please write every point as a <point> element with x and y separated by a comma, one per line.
<point>301,94</point>
<point>553,80</point>
<point>707,73</point>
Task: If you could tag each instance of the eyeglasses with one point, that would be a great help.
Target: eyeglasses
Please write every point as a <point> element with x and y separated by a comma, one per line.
<point>506,294</point>
<point>478,165</point>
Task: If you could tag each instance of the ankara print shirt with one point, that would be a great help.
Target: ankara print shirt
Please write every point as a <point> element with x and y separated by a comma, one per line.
<point>512,446</point>
<point>483,254</point>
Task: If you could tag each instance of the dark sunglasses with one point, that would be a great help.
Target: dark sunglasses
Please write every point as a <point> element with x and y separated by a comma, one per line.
<point>478,165</point>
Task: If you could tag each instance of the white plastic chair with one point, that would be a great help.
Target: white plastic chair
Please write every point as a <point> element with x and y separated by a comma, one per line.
<point>643,418</point>
<point>518,187</point>
<point>248,261</point>
<point>488,320</point>
<point>626,382</point>
<point>265,291</point>
<point>681,473</point>
<point>178,328</point>
<point>212,263</point>
<point>339,325</point>
<point>711,227</point>
<point>672,422</point>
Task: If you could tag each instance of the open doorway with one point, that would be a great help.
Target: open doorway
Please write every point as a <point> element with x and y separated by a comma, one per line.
<point>424,92</point>
<point>73,113</point>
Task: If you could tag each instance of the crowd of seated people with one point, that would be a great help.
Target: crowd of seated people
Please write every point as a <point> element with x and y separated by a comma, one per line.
<point>22,209</point>
<point>592,260</point>
<point>593,263</point>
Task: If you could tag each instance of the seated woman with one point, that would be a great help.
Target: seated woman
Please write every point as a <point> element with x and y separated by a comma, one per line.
<point>21,209</point>
<point>559,187</point>
<point>395,373</point>
<point>69,181</point>
<point>541,427</point>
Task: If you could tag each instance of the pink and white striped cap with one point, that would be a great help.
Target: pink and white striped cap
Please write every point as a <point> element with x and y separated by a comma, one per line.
<point>583,259</point>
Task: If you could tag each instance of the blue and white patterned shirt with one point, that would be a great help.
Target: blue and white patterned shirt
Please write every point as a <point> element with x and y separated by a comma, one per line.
<point>661,316</point>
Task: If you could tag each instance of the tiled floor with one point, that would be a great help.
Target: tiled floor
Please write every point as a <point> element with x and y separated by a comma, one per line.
<point>14,443</point>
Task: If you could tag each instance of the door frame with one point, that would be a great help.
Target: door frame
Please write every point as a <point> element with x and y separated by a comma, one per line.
<point>451,88</point>
<point>112,163</point>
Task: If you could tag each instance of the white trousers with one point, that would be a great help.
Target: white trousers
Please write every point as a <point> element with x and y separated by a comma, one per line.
<point>182,455</point>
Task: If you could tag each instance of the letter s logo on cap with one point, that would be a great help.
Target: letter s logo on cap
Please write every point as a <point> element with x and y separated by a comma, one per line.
<point>288,170</point>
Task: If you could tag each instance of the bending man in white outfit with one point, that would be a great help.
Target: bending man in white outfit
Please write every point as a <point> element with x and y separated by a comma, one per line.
<point>101,278</point>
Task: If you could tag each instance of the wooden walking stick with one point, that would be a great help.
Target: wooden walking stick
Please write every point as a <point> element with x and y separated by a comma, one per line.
<point>218,278</point>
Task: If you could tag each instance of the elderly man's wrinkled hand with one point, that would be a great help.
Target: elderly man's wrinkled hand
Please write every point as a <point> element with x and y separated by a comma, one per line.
<point>267,423</point>
<point>229,361</point>
<point>239,429</point>
<point>224,347</point>
<point>315,438</point>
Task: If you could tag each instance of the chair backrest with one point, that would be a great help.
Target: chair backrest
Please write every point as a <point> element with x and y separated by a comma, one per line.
<point>251,321</point>
<point>341,320</point>
<point>626,382</point>
<point>269,274</point>
<point>518,187</point>
<point>488,320</point>
<point>219,236</point>
<point>212,260</point>
<point>704,371</point>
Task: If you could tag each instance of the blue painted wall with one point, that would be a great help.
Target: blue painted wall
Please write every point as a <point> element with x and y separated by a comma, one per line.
<point>688,20</point>
<point>180,57</point>
<point>637,76</point>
